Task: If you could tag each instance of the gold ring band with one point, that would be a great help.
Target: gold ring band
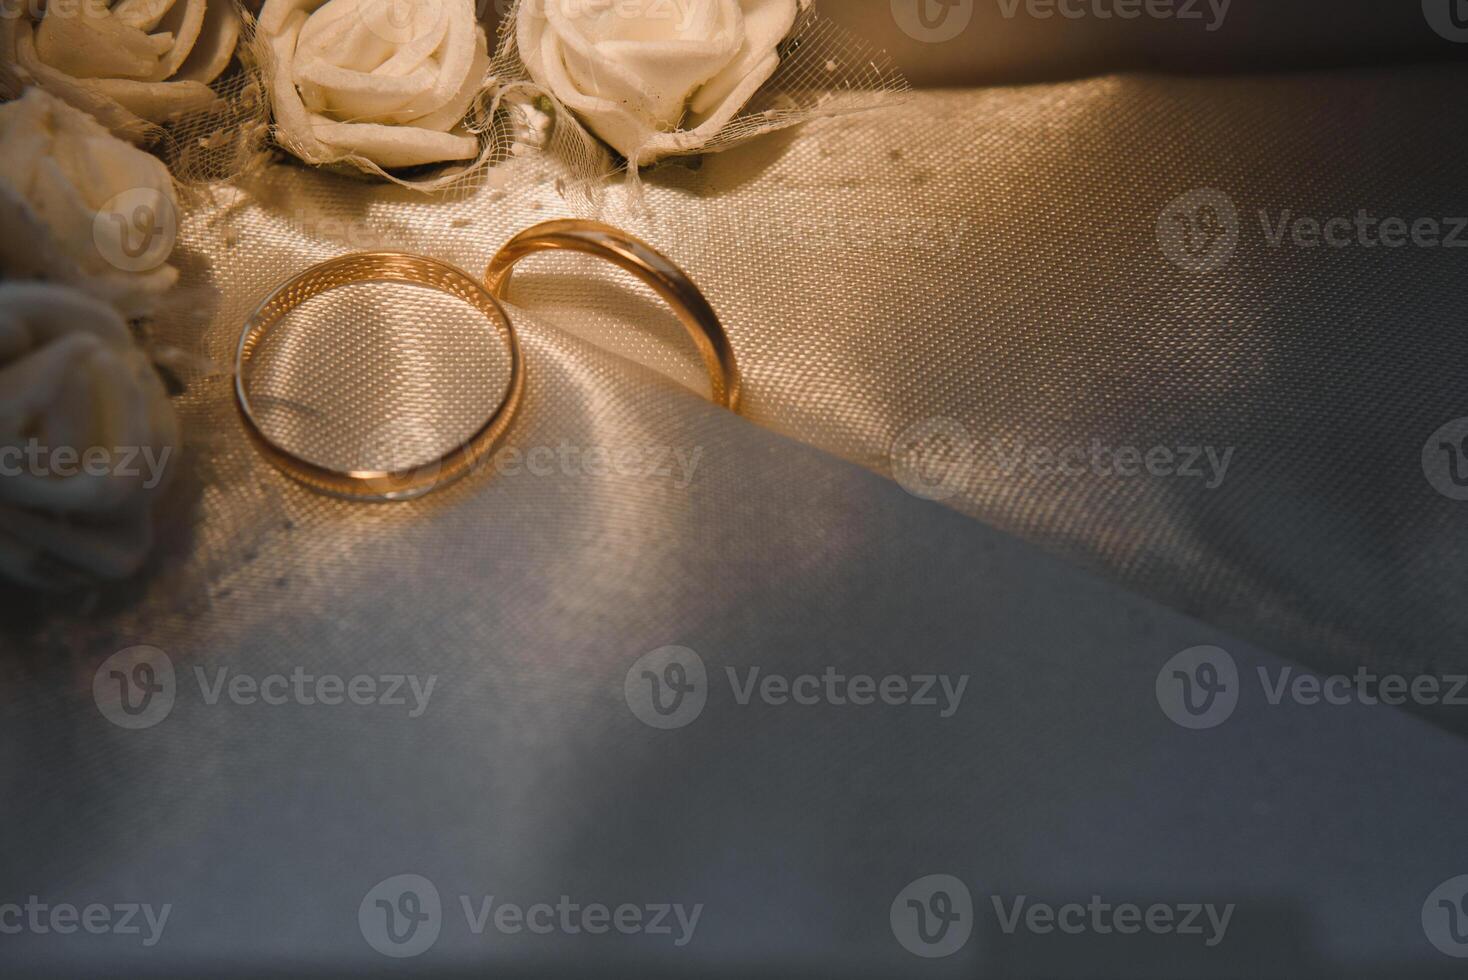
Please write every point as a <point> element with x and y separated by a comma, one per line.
<point>379,267</point>
<point>649,265</point>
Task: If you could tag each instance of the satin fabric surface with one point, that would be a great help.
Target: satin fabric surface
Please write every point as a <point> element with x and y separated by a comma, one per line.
<point>990,258</point>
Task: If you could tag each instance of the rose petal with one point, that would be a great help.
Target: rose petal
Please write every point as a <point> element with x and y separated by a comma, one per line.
<point>395,146</point>
<point>344,84</point>
<point>184,21</point>
<point>99,47</point>
<point>634,75</point>
<point>213,50</point>
<point>766,24</point>
<point>67,168</point>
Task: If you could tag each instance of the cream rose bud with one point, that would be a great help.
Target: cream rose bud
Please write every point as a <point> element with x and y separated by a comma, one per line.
<point>87,436</point>
<point>81,206</point>
<point>387,81</point>
<point>653,78</point>
<point>130,63</point>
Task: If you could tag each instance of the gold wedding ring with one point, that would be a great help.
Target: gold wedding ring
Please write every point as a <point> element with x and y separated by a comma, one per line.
<point>646,263</point>
<point>379,267</point>
<point>587,237</point>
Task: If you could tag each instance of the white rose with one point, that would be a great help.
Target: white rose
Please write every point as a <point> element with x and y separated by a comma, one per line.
<point>86,436</point>
<point>388,81</point>
<point>81,206</point>
<point>653,77</point>
<point>131,63</point>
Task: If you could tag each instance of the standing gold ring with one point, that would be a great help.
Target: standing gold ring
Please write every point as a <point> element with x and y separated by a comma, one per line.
<point>649,265</point>
<point>379,267</point>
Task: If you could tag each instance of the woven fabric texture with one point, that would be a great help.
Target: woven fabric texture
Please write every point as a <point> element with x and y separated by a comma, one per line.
<point>986,260</point>
<point>994,260</point>
<point>1008,270</point>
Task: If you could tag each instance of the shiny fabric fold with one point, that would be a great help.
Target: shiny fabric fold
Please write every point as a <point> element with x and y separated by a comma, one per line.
<point>991,258</point>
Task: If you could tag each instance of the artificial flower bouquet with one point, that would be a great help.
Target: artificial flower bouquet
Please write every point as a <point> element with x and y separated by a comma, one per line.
<point>108,99</point>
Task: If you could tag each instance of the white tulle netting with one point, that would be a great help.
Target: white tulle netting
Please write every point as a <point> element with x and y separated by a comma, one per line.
<point>824,70</point>
<point>212,138</point>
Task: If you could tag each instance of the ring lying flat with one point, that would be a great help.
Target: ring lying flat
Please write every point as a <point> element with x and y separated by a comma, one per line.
<point>649,265</point>
<point>380,267</point>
